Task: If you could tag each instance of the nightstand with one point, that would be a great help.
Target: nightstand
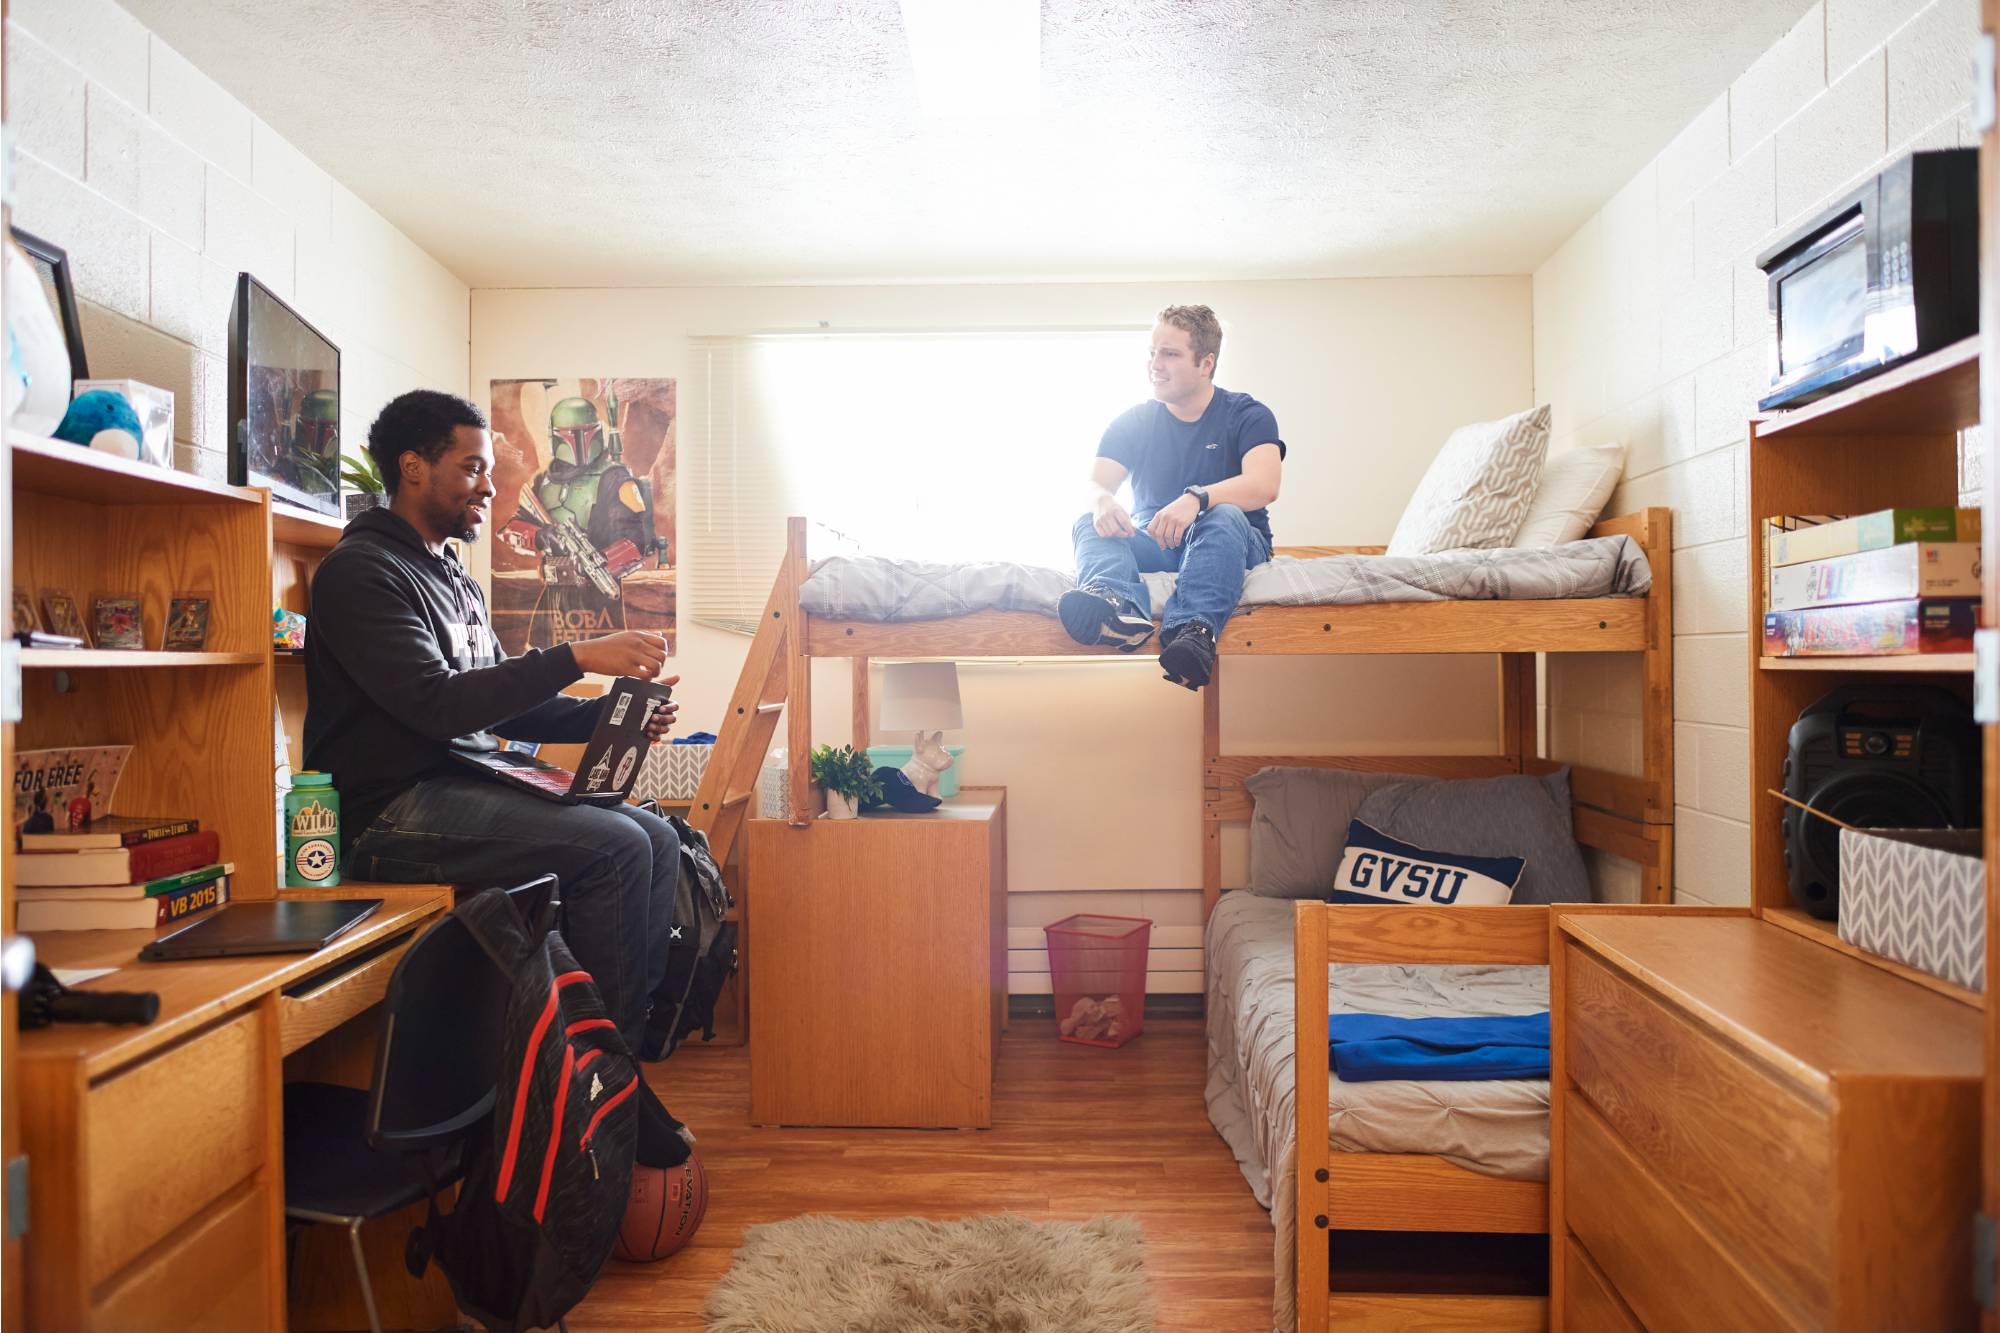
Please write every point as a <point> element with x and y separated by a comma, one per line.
<point>881,978</point>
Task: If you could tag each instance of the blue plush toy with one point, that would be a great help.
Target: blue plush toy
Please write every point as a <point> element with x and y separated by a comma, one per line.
<point>101,419</point>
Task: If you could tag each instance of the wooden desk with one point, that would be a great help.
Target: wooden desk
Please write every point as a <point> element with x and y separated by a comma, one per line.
<point>881,980</point>
<point>156,1189</point>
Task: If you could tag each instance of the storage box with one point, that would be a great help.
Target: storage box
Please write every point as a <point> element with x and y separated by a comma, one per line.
<point>1917,896</point>
<point>672,772</point>
<point>155,409</point>
<point>895,756</point>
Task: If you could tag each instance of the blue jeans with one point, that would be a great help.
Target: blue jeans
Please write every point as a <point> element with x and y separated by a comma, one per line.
<point>1214,555</point>
<point>618,869</point>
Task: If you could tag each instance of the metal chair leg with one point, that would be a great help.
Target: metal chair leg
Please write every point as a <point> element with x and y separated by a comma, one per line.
<point>361,1272</point>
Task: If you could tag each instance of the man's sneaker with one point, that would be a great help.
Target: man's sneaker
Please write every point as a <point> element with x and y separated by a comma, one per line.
<point>1187,654</point>
<point>1093,615</point>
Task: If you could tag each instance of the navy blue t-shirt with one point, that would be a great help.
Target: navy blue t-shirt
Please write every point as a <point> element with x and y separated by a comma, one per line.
<point>1166,455</point>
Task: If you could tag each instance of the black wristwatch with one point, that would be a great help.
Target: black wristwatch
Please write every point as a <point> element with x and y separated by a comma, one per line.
<point>1200,495</point>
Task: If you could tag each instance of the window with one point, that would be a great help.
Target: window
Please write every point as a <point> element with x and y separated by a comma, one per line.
<point>943,446</point>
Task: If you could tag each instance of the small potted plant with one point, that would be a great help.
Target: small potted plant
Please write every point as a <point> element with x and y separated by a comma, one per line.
<point>848,779</point>
<point>368,492</point>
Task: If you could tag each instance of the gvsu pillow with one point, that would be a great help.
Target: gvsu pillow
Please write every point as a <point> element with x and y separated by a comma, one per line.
<point>1376,868</point>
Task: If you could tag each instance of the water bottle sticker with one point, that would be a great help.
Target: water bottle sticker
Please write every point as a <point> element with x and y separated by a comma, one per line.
<point>314,860</point>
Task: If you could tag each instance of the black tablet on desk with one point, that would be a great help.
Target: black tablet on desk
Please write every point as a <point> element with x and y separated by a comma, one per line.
<point>286,925</point>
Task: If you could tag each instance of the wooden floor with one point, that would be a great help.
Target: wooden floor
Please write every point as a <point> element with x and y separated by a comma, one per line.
<point>1077,1132</point>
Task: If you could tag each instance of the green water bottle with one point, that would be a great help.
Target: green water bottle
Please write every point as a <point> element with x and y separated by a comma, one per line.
<point>312,832</point>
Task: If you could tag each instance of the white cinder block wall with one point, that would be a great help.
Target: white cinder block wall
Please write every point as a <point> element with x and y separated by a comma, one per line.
<point>162,186</point>
<point>1651,327</point>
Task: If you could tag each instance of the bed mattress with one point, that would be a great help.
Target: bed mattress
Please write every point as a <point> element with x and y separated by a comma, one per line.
<point>1499,1128</point>
<point>875,588</point>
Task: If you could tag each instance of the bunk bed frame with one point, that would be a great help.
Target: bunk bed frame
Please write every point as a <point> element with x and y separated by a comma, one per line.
<point>1627,816</point>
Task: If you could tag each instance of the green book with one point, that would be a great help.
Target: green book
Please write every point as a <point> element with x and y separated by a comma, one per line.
<point>1871,532</point>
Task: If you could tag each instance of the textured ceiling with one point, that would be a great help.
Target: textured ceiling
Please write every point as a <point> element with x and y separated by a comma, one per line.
<point>651,142</point>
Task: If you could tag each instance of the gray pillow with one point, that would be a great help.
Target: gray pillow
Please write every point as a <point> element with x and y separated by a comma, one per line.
<point>1507,816</point>
<point>1299,826</point>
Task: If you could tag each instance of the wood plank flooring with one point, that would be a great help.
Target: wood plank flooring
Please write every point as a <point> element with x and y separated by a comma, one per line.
<point>1077,1132</point>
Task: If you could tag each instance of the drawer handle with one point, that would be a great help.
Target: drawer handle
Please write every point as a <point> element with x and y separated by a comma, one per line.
<point>314,984</point>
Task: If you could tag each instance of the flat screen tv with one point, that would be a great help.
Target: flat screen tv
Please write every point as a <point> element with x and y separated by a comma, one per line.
<point>284,401</point>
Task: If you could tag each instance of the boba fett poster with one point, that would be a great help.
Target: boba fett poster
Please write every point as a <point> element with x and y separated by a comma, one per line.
<point>584,518</point>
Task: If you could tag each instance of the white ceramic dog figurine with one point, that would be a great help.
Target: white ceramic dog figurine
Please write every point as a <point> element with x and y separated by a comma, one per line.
<point>930,759</point>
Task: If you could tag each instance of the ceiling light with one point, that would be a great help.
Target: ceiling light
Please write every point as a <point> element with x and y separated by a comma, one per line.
<point>976,57</point>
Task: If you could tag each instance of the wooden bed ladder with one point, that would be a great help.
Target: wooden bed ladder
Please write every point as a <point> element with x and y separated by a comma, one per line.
<point>776,670</point>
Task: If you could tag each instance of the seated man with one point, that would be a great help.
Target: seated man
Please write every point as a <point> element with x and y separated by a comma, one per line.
<point>1204,464</point>
<point>402,665</point>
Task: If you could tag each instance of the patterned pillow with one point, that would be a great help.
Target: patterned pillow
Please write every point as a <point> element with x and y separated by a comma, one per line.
<point>1478,488</point>
<point>1377,869</point>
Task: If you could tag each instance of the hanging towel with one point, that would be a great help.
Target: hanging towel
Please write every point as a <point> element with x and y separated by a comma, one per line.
<point>1368,1047</point>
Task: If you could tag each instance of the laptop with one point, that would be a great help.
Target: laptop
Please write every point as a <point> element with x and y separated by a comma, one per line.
<point>287,925</point>
<point>611,758</point>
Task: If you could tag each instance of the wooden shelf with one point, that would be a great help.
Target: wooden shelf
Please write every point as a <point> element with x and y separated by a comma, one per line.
<point>1828,933</point>
<point>54,467</point>
<point>293,526</point>
<point>1938,663</point>
<point>79,659</point>
<point>285,655</point>
<point>1939,392</point>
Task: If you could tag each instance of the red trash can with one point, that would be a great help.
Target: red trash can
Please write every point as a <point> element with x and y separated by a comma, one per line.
<point>1097,968</point>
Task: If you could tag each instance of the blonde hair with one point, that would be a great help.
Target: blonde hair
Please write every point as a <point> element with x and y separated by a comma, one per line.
<point>1203,329</point>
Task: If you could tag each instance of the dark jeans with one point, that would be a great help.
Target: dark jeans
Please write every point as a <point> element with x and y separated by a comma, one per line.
<point>1219,548</point>
<point>618,869</point>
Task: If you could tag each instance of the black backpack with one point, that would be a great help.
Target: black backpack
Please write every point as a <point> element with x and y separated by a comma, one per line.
<point>546,1183</point>
<point>701,955</point>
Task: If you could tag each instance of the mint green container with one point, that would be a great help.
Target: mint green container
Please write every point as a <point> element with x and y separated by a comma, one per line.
<point>312,832</point>
<point>895,756</point>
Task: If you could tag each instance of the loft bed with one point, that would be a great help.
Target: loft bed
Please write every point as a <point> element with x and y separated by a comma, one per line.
<point>1626,816</point>
<point>1630,817</point>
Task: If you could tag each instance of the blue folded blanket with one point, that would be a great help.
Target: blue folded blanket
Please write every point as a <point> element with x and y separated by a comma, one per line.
<point>1366,1047</point>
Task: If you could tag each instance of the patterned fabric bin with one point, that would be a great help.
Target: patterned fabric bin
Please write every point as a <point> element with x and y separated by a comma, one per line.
<point>1917,896</point>
<point>672,773</point>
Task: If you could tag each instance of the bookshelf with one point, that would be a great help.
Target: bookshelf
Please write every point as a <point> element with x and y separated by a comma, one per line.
<point>1889,441</point>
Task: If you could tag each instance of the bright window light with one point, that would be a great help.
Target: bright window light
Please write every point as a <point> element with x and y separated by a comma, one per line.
<point>969,446</point>
<point>975,57</point>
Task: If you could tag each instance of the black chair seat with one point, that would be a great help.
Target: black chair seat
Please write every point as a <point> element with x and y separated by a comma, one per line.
<point>329,1167</point>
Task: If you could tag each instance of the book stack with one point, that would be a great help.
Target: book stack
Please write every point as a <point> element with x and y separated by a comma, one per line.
<point>118,873</point>
<point>1895,582</point>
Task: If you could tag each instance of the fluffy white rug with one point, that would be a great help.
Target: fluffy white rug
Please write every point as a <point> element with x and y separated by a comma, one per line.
<point>991,1274</point>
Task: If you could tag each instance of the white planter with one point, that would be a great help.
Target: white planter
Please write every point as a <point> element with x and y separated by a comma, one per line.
<point>839,805</point>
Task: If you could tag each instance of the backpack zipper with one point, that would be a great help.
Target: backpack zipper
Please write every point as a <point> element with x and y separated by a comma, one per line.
<point>590,1130</point>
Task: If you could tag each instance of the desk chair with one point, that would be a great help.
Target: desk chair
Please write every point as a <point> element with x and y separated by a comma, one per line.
<point>353,1154</point>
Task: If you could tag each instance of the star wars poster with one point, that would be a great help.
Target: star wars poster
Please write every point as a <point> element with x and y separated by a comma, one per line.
<point>583,538</point>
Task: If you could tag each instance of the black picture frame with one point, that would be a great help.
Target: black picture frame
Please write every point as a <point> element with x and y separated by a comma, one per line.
<point>52,263</point>
<point>243,358</point>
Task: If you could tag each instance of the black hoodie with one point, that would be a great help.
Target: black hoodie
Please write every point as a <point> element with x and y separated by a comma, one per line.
<point>402,665</point>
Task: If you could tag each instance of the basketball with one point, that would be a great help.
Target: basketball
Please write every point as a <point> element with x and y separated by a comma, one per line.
<point>664,1211</point>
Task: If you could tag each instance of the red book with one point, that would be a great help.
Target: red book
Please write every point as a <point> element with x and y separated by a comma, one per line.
<point>119,865</point>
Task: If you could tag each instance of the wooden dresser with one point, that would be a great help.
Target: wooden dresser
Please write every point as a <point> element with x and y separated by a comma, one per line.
<point>881,979</point>
<point>1751,1131</point>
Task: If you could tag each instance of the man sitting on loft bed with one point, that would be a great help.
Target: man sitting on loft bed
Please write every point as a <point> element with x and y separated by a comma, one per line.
<point>1204,464</point>
<point>402,666</point>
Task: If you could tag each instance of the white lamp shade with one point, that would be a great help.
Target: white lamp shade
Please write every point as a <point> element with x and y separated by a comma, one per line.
<point>920,696</point>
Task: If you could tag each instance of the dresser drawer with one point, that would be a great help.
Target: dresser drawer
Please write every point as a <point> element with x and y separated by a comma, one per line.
<point>1740,1151</point>
<point>168,1136</point>
<point>1672,1275</point>
<point>1589,1303</point>
<point>211,1278</point>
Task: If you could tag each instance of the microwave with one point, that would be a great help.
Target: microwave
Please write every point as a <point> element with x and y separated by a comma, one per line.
<point>1888,273</point>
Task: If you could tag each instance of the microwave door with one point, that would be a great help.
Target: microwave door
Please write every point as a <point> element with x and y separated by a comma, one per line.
<point>1822,299</point>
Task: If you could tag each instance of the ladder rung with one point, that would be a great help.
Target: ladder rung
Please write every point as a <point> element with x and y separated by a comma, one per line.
<point>767,709</point>
<point>737,797</point>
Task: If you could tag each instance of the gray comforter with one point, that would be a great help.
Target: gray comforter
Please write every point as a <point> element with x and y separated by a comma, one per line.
<point>1498,1127</point>
<point>877,589</point>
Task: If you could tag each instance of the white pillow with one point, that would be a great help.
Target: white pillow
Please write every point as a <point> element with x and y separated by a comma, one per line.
<point>1576,485</point>
<point>1478,488</point>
